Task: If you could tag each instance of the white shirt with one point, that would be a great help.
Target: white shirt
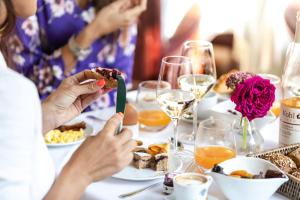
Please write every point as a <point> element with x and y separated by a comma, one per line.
<point>26,168</point>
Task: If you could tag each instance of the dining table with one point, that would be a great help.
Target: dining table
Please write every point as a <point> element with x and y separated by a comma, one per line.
<point>111,188</point>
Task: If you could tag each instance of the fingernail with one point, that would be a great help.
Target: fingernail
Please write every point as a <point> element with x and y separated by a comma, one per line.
<point>101,82</point>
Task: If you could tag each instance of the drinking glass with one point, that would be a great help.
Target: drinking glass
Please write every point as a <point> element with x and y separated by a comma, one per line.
<point>174,101</point>
<point>275,80</point>
<point>203,77</point>
<point>151,118</point>
<point>214,143</point>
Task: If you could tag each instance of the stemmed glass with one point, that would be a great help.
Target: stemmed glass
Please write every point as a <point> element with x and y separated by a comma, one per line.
<point>214,143</point>
<point>276,81</point>
<point>173,100</point>
<point>204,77</point>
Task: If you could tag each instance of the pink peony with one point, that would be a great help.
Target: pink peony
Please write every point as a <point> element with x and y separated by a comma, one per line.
<point>254,97</point>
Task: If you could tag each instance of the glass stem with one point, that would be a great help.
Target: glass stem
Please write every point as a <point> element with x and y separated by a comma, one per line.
<point>245,128</point>
<point>175,139</point>
<point>195,120</point>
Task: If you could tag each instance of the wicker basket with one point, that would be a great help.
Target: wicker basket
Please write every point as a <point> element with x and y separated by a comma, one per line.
<point>290,189</point>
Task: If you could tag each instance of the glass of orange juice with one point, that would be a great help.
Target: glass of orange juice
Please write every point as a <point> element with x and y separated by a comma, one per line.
<point>214,143</point>
<point>276,81</point>
<point>151,117</point>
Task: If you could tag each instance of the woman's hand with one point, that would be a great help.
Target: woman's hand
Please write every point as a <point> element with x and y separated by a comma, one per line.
<point>97,158</point>
<point>116,15</point>
<point>70,99</point>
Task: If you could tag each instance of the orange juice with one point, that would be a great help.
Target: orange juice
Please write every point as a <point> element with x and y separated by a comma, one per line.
<point>276,109</point>
<point>208,156</point>
<point>153,118</point>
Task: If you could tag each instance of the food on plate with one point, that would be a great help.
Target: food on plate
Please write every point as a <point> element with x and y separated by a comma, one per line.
<point>285,163</point>
<point>139,142</point>
<point>155,157</point>
<point>247,175</point>
<point>160,162</point>
<point>130,115</point>
<point>142,160</point>
<point>295,156</point>
<point>158,148</point>
<point>61,137</point>
<point>74,127</point>
<point>109,75</point>
<point>296,173</point>
<point>66,134</point>
<point>220,86</point>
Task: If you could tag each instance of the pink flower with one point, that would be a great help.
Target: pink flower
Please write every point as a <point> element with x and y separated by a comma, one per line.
<point>254,97</point>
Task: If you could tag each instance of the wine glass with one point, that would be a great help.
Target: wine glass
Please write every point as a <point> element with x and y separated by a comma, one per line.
<point>214,143</point>
<point>174,101</point>
<point>203,77</point>
<point>151,118</point>
<point>276,81</point>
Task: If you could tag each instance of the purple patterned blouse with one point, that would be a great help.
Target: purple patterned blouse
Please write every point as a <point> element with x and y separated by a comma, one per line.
<point>36,46</point>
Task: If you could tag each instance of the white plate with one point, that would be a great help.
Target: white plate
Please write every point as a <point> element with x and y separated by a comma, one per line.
<point>130,173</point>
<point>225,109</point>
<point>87,131</point>
<point>172,197</point>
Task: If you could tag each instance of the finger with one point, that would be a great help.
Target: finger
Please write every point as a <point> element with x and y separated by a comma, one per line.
<point>86,75</point>
<point>88,99</point>
<point>124,136</point>
<point>134,12</point>
<point>87,88</point>
<point>112,124</point>
<point>129,146</point>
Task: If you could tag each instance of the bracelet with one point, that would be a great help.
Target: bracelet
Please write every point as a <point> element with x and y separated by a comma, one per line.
<point>78,52</point>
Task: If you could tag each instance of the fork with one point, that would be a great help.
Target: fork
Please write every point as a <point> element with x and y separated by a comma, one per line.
<point>138,191</point>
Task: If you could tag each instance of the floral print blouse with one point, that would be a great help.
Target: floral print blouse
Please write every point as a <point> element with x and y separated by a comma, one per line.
<point>37,41</point>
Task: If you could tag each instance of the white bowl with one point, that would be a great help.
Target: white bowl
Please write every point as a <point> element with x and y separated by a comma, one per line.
<point>226,109</point>
<point>247,189</point>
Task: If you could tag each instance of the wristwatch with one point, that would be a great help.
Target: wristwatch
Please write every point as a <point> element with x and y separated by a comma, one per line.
<point>78,52</point>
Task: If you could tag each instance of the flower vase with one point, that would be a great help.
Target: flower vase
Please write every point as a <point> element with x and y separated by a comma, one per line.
<point>248,138</point>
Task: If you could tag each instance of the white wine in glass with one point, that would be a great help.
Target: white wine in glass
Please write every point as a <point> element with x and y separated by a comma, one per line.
<point>200,81</point>
<point>174,101</point>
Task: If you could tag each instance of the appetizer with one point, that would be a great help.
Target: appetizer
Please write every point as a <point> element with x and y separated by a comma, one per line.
<point>109,75</point>
<point>247,175</point>
<point>66,134</point>
<point>154,157</point>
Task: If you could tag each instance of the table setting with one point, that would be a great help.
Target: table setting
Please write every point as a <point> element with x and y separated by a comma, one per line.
<point>194,140</point>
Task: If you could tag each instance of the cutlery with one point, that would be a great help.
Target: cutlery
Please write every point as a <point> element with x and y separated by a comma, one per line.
<point>95,118</point>
<point>138,191</point>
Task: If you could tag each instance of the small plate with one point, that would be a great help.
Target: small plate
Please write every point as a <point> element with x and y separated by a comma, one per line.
<point>172,197</point>
<point>130,173</point>
<point>87,131</point>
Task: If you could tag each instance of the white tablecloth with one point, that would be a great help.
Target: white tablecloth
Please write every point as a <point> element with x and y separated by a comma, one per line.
<point>111,188</point>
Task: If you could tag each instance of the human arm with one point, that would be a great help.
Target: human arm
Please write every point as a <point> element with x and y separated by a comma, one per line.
<point>98,157</point>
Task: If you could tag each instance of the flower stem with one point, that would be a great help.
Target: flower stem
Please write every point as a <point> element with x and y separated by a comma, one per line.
<point>245,127</point>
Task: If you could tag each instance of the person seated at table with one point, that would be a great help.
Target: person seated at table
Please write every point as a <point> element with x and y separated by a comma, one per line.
<point>66,37</point>
<point>26,169</point>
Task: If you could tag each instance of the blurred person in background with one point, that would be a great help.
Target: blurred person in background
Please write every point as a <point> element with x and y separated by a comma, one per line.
<point>65,37</point>
<point>162,31</point>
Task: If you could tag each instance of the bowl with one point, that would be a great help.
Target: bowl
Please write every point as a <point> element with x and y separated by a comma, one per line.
<point>247,189</point>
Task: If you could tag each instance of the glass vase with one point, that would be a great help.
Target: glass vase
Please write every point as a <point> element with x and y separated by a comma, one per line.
<point>248,138</point>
